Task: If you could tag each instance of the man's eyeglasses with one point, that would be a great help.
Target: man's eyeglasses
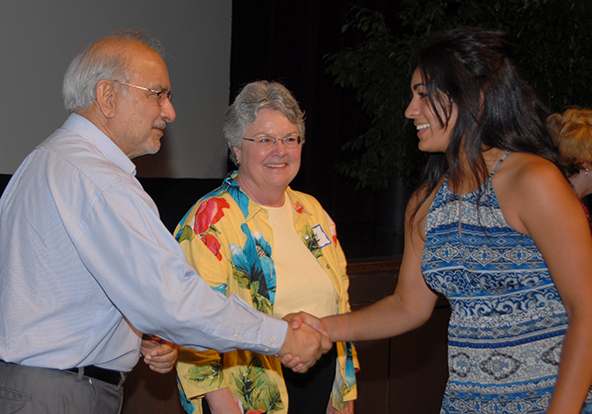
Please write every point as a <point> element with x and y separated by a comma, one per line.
<point>162,95</point>
<point>265,141</point>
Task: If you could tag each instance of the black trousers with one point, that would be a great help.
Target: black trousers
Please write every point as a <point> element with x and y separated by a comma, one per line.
<point>309,392</point>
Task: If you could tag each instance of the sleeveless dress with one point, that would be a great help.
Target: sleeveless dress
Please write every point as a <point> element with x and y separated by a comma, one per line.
<point>507,323</point>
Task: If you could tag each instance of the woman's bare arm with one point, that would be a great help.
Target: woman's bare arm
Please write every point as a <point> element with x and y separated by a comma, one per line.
<point>537,200</point>
<point>409,307</point>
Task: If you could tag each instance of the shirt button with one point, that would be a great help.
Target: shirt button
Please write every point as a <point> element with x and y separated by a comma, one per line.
<point>236,336</point>
<point>328,267</point>
<point>266,349</point>
<point>272,341</point>
<point>306,237</point>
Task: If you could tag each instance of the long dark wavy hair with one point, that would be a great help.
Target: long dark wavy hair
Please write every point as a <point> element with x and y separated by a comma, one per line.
<point>472,69</point>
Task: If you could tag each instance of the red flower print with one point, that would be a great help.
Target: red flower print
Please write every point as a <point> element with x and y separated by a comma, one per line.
<point>213,244</point>
<point>208,213</point>
<point>298,207</point>
<point>256,412</point>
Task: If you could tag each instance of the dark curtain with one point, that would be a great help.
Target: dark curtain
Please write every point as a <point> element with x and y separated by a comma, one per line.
<point>285,41</point>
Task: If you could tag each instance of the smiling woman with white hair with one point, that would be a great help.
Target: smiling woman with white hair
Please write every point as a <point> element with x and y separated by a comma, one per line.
<point>276,248</point>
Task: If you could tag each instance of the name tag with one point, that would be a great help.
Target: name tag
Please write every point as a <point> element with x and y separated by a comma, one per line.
<point>321,236</point>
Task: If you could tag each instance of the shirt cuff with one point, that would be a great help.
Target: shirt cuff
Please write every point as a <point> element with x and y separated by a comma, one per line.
<point>273,335</point>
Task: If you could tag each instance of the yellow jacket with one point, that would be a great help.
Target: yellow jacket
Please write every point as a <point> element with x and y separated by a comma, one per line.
<point>226,238</point>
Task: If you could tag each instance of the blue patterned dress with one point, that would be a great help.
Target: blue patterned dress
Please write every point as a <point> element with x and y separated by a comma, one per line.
<point>508,322</point>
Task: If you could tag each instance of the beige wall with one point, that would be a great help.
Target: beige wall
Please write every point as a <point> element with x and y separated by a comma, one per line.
<point>39,38</point>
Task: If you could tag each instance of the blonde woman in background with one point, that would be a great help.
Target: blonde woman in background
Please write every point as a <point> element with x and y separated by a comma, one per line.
<point>573,133</point>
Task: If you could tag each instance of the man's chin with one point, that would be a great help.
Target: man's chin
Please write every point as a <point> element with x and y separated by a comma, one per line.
<point>154,144</point>
<point>154,149</point>
<point>149,150</point>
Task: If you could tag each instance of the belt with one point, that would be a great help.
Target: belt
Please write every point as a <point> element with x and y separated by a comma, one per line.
<point>101,374</point>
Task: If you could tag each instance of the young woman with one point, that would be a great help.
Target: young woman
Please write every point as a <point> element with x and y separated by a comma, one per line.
<point>497,229</point>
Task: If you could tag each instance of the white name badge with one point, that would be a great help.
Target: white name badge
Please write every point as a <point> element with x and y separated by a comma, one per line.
<point>321,236</point>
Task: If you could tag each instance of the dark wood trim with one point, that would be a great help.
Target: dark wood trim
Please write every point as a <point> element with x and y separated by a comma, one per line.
<point>374,264</point>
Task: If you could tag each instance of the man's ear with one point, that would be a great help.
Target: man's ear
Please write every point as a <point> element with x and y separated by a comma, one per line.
<point>105,97</point>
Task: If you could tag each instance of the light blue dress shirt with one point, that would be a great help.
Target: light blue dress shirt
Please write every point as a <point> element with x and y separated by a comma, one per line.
<point>81,245</point>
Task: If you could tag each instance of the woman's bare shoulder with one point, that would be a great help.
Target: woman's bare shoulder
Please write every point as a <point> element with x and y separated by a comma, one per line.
<point>528,184</point>
<point>528,172</point>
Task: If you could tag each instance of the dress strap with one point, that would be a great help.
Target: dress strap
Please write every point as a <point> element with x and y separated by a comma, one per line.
<point>499,163</point>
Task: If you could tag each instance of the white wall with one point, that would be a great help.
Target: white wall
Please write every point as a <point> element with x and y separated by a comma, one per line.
<point>39,38</point>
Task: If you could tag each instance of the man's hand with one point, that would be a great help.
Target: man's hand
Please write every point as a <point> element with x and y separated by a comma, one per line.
<point>305,345</point>
<point>159,354</point>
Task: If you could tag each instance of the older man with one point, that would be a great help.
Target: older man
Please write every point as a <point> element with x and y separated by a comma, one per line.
<point>85,260</point>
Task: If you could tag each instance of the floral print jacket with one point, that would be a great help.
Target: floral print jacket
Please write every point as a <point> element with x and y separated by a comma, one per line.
<point>226,238</point>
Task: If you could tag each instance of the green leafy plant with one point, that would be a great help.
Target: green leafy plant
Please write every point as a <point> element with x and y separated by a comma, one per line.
<point>553,44</point>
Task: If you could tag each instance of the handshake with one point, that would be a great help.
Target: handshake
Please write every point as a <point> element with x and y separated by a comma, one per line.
<point>306,340</point>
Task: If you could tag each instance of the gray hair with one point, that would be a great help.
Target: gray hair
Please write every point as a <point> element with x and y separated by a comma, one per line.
<point>98,62</point>
<point>254,96</point>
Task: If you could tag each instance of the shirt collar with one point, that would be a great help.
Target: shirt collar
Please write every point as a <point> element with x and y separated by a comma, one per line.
<point>86,129</point>
<point>251,207</point>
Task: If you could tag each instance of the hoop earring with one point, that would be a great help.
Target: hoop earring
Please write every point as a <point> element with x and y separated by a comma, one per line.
<point>586,176</point>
